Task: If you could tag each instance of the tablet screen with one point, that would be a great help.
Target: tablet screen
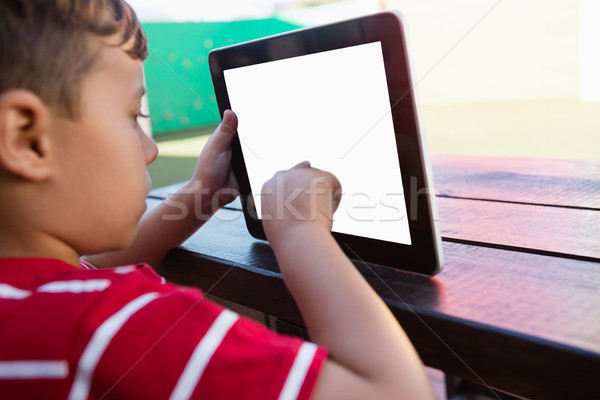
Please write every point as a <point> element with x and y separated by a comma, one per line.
<point>331,108</point>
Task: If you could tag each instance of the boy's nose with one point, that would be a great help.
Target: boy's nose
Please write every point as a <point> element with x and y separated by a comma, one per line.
<point>150,149</point>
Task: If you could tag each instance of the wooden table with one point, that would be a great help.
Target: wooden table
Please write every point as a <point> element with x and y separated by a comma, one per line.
<point>517,306</point>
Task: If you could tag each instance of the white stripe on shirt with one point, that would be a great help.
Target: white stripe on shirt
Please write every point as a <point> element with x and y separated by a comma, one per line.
<point>34,369</point>
<point>124,270</point>
<point>297,374</point>
<point>202,354</point>
<point>13,293</point>
<point>75,286</point>
<point>86,266</point>
<point>99,342</point>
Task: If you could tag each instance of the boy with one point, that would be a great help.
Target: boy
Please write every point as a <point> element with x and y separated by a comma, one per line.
<point>73,182</point>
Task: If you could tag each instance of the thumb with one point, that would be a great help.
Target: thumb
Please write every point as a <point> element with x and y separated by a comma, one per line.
<point>229,122</point>
<point>223,136</point>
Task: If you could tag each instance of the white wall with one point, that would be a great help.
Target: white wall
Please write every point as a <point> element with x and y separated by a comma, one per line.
<point>468,50</point>
<point>589,82</point>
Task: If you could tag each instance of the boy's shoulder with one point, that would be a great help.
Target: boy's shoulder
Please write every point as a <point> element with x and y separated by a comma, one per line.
<point>112,329</point>
<point>32,276</point>
<point>84,298</point>
<point>72,302</point>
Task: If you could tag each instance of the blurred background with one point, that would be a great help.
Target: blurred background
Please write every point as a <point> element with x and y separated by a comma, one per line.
<point>495,77</point>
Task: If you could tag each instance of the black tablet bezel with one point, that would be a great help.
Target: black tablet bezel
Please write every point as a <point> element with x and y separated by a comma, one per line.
<point>424,255</point>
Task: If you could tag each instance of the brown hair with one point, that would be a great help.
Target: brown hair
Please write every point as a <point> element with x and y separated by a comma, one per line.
<point>45,45</point>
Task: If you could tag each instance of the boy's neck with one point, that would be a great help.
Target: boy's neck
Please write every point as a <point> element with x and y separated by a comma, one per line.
<point>67,257</point>
<point>23,243</point>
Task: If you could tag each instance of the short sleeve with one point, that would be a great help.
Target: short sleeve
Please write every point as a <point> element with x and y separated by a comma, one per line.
<point>182,346</point>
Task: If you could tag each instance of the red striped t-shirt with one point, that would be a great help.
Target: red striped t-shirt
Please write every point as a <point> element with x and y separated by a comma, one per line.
<point>69,333</point>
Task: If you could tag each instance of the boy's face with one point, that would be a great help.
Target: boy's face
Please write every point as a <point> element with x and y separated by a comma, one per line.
<point>102,156</point>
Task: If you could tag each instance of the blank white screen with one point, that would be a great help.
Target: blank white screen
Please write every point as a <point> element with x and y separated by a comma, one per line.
<point>332,109</point>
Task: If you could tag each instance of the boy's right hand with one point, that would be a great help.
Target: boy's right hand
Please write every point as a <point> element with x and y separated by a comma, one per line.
<point>301,196</point>
<point>373,360</point>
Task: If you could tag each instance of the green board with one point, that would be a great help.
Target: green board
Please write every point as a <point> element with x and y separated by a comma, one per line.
<point>180,91</point>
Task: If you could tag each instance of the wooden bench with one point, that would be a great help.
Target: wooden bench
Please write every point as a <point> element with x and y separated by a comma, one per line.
<point>517,306</point>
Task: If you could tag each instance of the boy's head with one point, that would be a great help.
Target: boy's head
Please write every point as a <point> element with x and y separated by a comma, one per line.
<point>72,155</point>
<point>46,46</point>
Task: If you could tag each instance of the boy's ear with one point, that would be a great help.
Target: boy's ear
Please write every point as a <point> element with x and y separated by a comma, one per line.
<point>24,135</point>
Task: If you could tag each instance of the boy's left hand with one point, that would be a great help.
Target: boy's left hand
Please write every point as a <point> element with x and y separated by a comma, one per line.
<point>213,175</point>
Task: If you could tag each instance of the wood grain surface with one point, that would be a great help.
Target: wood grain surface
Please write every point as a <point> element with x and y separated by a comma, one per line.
<point>567,183</point>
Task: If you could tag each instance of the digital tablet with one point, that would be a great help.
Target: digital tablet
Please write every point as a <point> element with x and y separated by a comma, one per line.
<point>341,97</point>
